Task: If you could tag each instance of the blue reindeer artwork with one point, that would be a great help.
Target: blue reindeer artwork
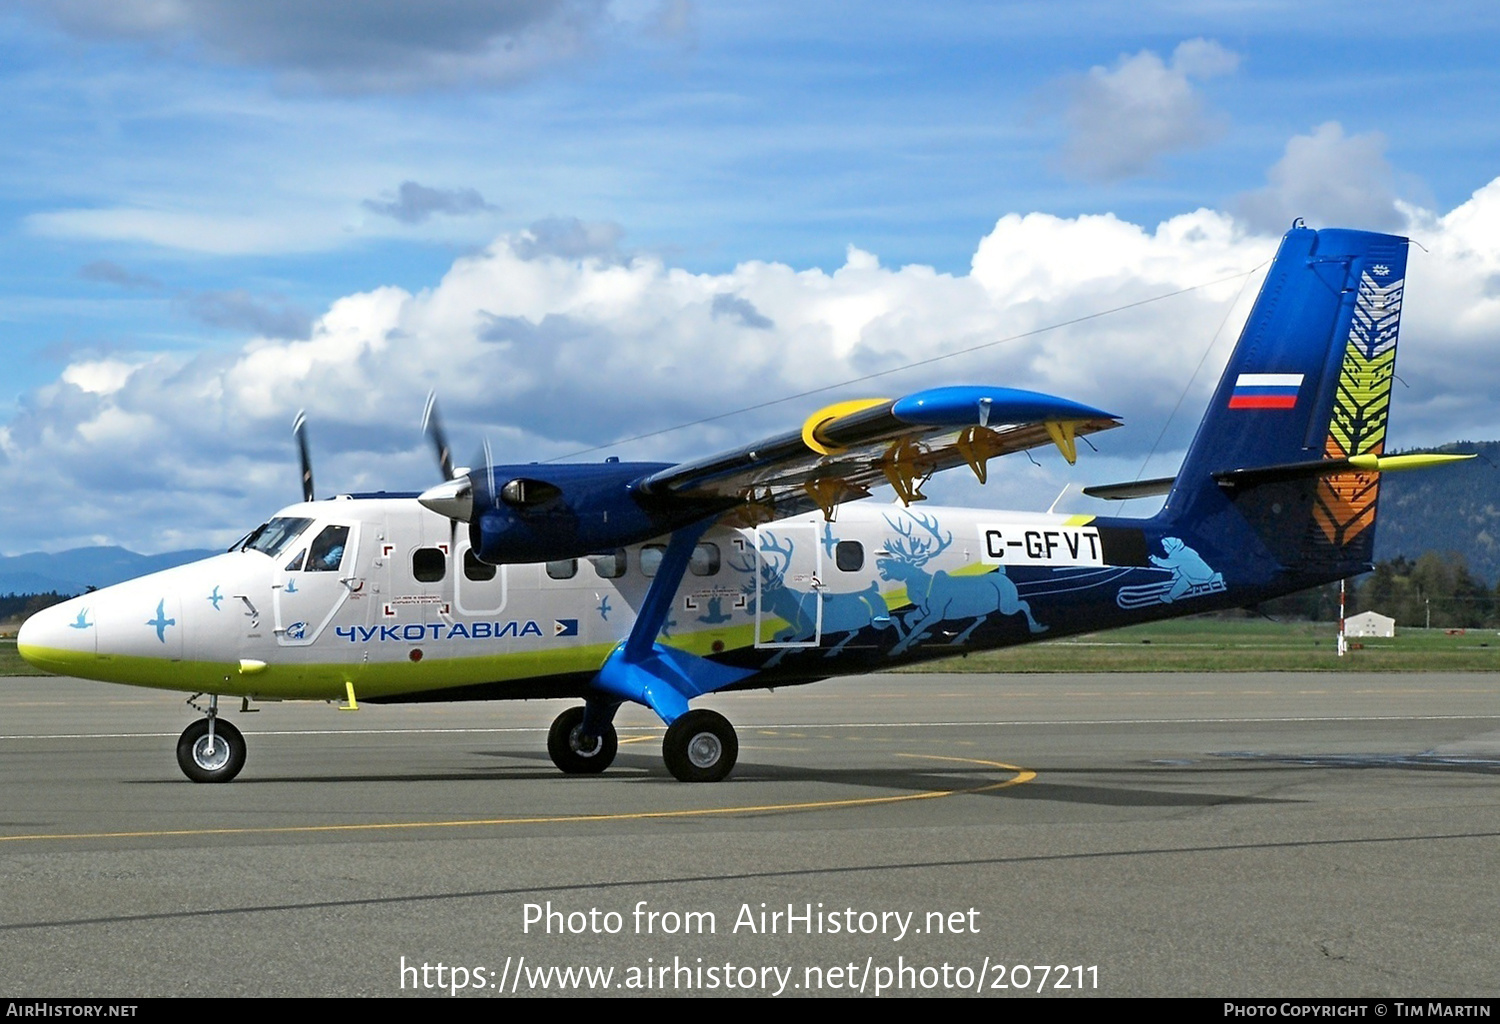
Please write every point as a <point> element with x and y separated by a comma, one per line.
<point>938,597</point>
<point>842,613</point>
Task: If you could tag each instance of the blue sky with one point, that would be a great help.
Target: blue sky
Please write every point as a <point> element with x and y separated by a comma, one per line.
<point>581,221</point>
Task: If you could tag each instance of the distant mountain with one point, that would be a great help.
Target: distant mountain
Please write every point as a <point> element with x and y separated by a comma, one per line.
<point>1452,508</point>
<point>73,572</point>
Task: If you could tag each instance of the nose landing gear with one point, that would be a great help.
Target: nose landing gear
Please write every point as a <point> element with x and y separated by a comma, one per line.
<point>210,750</point>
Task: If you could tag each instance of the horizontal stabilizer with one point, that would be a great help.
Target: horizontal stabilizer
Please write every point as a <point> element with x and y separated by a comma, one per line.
<point>1136,489</point>
<point>1289,471</point>
<point>1333,467</point>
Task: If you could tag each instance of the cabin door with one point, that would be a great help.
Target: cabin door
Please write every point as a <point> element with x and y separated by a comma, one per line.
<point>788,586</point>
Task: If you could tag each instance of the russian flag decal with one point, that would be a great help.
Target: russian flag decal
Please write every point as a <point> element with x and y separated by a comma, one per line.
<point>1265,391</point>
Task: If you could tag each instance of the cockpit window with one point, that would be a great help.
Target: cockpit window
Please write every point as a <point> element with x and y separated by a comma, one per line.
<point>276,536</point>
<point>328,550</point>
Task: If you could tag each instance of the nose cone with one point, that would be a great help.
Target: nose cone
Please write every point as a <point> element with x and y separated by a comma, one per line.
<point>452,498</point>
<point>60,639</point>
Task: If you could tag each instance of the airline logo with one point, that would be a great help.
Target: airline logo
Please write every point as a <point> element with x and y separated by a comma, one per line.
<point>1265,391</point>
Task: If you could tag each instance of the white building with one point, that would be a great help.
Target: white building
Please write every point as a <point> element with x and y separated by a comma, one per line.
<point>1369,624</point>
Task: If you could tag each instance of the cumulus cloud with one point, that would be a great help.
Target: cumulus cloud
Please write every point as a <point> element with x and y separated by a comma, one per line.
<point>744,311</point>
<point>570,239</point>
<point>1121,120</point>
<point>372,46</point>
<point>1330,179</point>
<point>548,354</point>
<point>414,203</point>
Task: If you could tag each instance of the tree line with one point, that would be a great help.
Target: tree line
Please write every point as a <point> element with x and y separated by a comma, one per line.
<point>19,606</point>
<point>1435,589</point>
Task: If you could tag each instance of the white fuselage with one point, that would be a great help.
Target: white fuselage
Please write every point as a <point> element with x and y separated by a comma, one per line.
<point>404,609</point>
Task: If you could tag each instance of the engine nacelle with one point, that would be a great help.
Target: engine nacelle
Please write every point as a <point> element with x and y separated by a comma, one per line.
<point>540,513</point>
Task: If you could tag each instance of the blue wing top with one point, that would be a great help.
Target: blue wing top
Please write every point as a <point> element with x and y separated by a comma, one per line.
<point>537,513</point>
<point>844,450</point>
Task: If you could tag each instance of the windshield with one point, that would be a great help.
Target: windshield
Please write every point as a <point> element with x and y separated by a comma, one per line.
<point>276,536</point>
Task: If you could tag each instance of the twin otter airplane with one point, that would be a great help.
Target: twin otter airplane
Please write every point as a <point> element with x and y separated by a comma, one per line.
<point>660,583</point>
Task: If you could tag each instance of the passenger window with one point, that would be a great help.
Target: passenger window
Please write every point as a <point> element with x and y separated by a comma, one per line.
<point>295,565</point>
<point>651,556</point>
<point>476,570</point>
<point>328,550</point>
<point>705,560</point>
<point>428,565</point>
<point>563,568</point>
<point>610,566</point>
<point>849,556</point>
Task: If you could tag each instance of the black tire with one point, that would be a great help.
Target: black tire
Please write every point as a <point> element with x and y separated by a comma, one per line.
<point>221,764</point>
<point>565,742</point>
<point>701,746</point>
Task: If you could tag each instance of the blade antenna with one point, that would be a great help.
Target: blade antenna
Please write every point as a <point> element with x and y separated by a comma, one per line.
<point>299,431</point>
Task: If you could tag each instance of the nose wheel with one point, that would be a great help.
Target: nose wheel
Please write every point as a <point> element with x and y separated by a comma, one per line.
<point>701,746</point>
<point>575,753</point>
<point>211,750</point>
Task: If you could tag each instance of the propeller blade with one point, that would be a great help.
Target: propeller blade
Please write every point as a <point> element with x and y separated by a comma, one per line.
<point>432,426</point>
<point>489,469</point>
<point>299,431</point>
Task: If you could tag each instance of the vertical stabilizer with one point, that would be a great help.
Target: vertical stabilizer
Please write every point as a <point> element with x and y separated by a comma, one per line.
<point>1310,379</point>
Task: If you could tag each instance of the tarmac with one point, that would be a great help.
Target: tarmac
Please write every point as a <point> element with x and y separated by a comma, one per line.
<point>1269,835</point>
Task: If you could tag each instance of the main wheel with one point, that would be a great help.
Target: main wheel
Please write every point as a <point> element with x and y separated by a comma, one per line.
<point>575,753</point>
<point>701,746</point>
<point>220,763</point>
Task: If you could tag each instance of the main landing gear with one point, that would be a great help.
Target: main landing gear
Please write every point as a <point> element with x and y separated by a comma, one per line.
<point>700,746</point>
<point>210,750</point>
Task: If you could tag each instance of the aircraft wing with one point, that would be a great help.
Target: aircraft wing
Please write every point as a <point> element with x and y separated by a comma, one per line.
<point>542,513</point>
<point>844,450</point>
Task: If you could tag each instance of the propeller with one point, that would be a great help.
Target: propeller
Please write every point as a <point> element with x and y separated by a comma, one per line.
<point>432,426</point>
<point>454,497</point>
<point>489,470</point>
<point>299,431</point>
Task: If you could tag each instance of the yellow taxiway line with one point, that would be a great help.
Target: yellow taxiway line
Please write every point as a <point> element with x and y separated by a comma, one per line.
<point>1022,775</point>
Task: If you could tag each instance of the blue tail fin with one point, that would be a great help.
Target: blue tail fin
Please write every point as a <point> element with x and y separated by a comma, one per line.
<point>1309,381</point>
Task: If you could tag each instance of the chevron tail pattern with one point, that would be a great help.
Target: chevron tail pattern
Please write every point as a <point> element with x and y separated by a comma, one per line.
<point>1345,504</point>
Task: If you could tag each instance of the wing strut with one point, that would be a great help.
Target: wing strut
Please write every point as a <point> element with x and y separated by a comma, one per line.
<point>662,678</point>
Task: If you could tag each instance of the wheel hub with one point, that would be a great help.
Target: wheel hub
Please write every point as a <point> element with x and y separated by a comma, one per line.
<point>584,746</point>
<point>704,750</point>
<point>211,758</point>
